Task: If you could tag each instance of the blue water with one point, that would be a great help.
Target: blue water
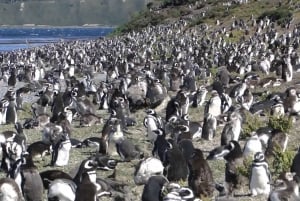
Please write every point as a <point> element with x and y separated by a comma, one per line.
<point>14,38</point>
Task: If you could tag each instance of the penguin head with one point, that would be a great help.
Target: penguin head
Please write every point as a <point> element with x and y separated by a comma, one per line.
<point>259,157</point>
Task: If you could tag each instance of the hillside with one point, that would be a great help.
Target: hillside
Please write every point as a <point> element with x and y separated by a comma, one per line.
<point>208,12</point>
<point>68,12</point>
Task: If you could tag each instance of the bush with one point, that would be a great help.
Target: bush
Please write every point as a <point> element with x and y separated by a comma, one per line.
<point>250,124</point>
<point>283,123</point>
<point>245,169</point>
<point>282,161</point>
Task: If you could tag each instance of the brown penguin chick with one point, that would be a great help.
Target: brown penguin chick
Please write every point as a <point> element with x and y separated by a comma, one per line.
<point>200,178</point>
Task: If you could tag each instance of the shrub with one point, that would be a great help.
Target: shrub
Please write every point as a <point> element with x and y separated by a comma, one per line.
<point>283,123</point>
<point>245,168</point>
<point>282,161</point>
<point>251,123</point>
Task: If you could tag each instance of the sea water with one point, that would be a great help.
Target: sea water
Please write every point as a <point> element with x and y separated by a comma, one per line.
<point>14,38</point>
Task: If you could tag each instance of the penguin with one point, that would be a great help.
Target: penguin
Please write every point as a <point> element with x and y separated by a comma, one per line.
<point>27,176</point>
<point>177,192</point>
<point>176,167</point>
<point>252,146</point>
<point>128,151</point>
<point>198,97</point>
<point>153,188</point>
<point>98,142</point>
<point>12,80</point>
<point>50,175</point>
<point>61,151</point>
<point>86,190</point>
<point>9,190</point>
<point>187,148</point>
<point>152,122</point>
<point>3,110</point>
<point>277,141</point>
<point>295,167</point>
<point>287,190</point>
<point>246,99</point>
<point>11,111</point>
<point>232,129</point>
<point>209,127</point>
<point>39,149</point>
<point>260,177</point>
<point>65,189</point>
<point>287,69</point>
<point>213,106</point>
<point>200,178</point>
<point>277,109</point>
<point>147,168</point>
<point>233,155</point>
<point>161,145</point>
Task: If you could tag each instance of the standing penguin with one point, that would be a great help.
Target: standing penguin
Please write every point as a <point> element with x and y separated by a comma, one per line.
<point>213,106</point>
<point>11,111</point>
<point>28,178</point>
<point>260,176</point>
<point>61,151</point>
<point>12,80</point>
<point>209,127</point>
<point>296,163</point>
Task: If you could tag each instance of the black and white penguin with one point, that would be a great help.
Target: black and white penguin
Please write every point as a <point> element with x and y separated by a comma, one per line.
<point>252,146</point>
<point>176,192</point>
<point>153,188</point>
<point>50,175</point>
<point>11,111</point>
<point>3,110</point>
<point>61,151</point>
<point>209,127</point>
<point>233,155</point>
<point>65,189</point>
<point>161,145</point>
<point>152,122</point>
<point>260,177</point>
<point>27,177</point>
<point>147,168</point>
<point>10,190</point>
<point>213,106</point>
<point>200,178</point>
<point>86,190</point>
<point>287,69</point>
<point>199,96</point>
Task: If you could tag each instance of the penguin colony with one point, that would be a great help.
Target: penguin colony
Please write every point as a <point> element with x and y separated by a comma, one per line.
<point>161,81</point>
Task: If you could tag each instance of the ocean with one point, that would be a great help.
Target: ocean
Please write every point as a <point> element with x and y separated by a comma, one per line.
<point>14,38</point>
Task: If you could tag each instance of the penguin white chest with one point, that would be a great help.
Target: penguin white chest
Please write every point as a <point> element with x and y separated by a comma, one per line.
<point>215,107</point>
<point>63,154</point>
<point>259,182</point>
